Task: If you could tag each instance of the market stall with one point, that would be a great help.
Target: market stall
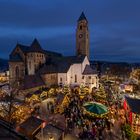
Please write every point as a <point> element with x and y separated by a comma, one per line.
<point>95,109</point>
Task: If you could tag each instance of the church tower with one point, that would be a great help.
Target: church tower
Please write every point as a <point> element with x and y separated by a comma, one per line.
<point>82,36</point>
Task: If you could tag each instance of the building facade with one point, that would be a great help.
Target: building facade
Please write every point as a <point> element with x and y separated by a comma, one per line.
<point>131,106</point>
<point>82,36</point>
<point>32,66</point>
<point>26,61</point>
<point>71,71</point>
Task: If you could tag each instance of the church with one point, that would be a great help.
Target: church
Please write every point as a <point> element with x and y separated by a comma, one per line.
<point>34,67</point>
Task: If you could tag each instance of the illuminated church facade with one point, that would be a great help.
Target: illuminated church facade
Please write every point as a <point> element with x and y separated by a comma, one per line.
<point>32,66</point>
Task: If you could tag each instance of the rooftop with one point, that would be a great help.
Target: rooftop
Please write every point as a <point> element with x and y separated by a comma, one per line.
<point>60,64</point>
<point>31,81</point>
<point>88,70</point>
<point>15,58</point>
<point>5,128</point>
<point>30,125</point>
<point>50,130</point>
<point>82,17</point>
<point>134,104</point>
<point>34,47</point>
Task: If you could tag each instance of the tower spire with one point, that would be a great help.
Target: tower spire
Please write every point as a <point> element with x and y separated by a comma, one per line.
<point>82,17</point>
<point>82,36</point>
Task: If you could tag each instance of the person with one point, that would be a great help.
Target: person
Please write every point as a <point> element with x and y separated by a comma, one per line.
<point>108,124</point>
<point>104,133</point>
<point>94,130</point>
<point>112,121</point>
<point>100,133</point>
<point>123,133</point>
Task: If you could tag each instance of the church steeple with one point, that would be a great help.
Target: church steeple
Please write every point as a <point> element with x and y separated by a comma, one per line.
<point>82,17</point>
<point>82,36</point>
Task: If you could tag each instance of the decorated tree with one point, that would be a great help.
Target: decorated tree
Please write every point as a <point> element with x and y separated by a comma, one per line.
<point>21,113</point>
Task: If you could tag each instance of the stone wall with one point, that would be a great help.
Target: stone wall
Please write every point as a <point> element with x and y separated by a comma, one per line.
<point>34,61</point>
<point>16,71</point>
<point>50,79</point>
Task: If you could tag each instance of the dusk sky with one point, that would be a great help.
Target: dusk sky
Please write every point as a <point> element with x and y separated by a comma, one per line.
<point>114,26</point>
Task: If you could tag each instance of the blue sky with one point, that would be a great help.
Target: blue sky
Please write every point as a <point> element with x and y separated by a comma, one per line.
<point>114,26</point>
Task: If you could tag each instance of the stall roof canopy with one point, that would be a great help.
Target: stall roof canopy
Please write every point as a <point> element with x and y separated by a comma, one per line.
<point>134,104</point>
<point>31,125</point>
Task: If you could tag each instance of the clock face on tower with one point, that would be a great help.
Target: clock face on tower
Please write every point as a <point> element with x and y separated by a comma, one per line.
<point>81,35</point>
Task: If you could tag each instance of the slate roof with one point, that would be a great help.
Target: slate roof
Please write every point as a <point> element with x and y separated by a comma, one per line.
<point>60,98</point>
<point>30,125</point>
<point>58,120</point>
<point>4,132</point>
<point>134,104</point>
<point>35,47</point>
<point>47,69</point>
<point>82,17</point>
<point>54,130</point>
<point>88,70</point>
<point>31,81</point>
<point>23,47</point>
<point>74,59</point>
<point>50,53</point>
<point>60,65</point>
<point>15,58</point>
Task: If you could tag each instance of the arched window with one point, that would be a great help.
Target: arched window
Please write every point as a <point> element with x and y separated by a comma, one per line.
<point>75,78</point>
<point>61,79</point>
<point>80,27</point>
<point>17,71</point>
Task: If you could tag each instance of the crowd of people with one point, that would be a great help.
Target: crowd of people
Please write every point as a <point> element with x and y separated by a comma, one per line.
<point>85,126</point>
